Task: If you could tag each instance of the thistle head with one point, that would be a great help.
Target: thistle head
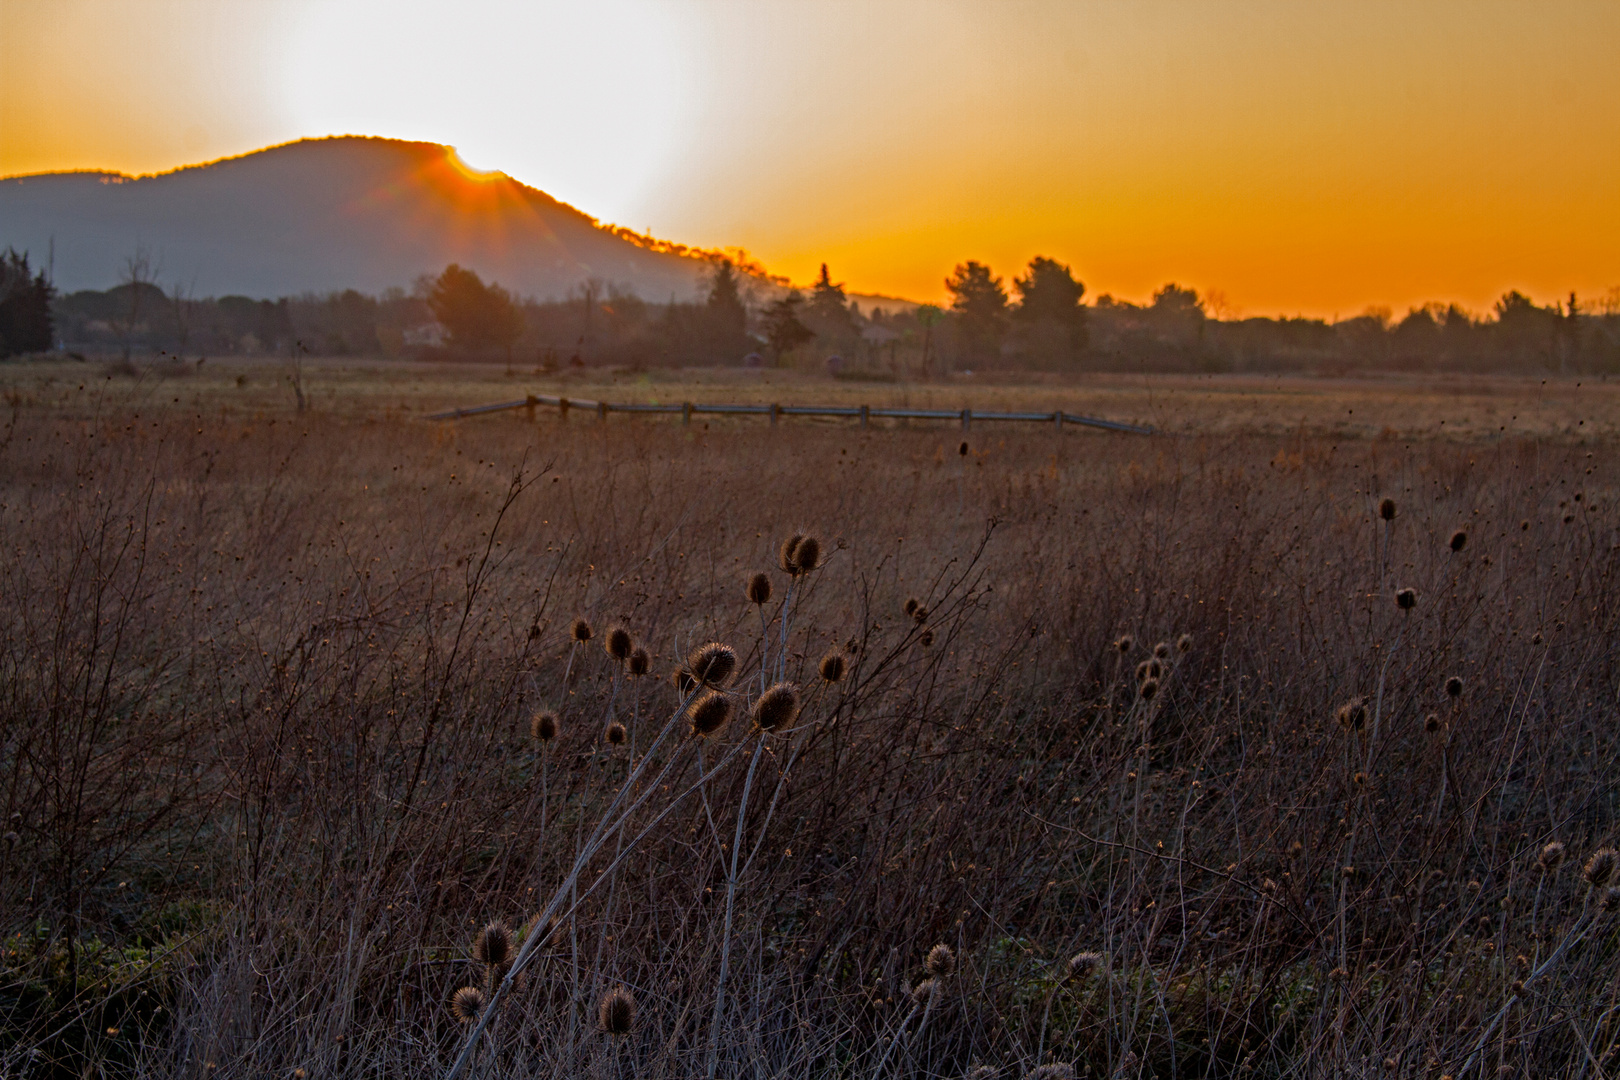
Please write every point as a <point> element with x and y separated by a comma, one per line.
<point>580,630</point>
<point>776,707</point>
<point>941,962</point>
<point>616,1012</point>
<point>1551,857</point>
<point>615,734</point>
<point>712,664</point>
<point>1406,599</point>
<point>640,662</point>
<point>1386,509</point>
<point>833,665</point>
<point>1599,869</point>
<point>759,589</point>
<point>467,1004</point>
<point>493,947</point>
<point>618,643</point>
<point>543,726</point>
<point>709,713</point>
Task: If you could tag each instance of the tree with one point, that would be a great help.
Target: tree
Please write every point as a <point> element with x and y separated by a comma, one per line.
<point>980,303</point>
<point>1049,303</point>
<point>25,307</point>
<point>783,329</point>
<point>477,316</point>
<point>725,304</point>
<point>1178,314</point>
<point>828,313</point>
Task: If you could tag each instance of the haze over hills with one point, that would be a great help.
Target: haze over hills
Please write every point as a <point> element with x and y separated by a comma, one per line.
<point>327,214</point>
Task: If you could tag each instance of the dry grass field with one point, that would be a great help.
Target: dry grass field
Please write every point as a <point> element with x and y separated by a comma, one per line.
<point>1136,726</point>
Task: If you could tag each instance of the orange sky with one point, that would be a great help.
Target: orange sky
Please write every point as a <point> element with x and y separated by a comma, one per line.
<point>1297,157</point>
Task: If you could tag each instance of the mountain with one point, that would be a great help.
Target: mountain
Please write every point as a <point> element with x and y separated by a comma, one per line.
<point>325,214</point>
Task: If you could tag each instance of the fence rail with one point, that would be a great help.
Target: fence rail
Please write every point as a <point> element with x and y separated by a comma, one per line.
<point>864,413</point>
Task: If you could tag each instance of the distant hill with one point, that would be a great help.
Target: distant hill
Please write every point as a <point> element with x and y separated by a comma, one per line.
<point>327,214</point>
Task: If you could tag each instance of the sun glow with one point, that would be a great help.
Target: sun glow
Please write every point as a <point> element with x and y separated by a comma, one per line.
<point>471,171</point>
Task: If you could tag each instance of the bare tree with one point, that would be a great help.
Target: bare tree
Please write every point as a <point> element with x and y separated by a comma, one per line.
<point>138,275</point>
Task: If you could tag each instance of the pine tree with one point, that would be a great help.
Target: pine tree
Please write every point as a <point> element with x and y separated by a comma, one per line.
<point>26,325</point>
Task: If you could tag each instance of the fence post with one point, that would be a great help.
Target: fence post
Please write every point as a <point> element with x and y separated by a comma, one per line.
<point>686,412</point>
<point>866,412</point>
<point>967,418</point>
<point>529,408</point>
<point>776,410</point>
<point>1057,419</point>
<point>601,411</point>
<point>562,408</point>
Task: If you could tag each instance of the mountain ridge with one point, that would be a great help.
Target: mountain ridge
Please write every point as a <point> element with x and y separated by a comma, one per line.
<point>323,214</point>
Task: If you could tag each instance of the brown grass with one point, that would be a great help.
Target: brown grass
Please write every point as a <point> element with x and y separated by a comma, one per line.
<point>266,682</point>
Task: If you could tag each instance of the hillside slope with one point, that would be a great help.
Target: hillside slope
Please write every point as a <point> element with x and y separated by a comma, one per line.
<point>323,214</point>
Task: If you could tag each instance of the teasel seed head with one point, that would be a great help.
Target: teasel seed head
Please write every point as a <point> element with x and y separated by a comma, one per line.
<point>962,450</point>
<point>1431,723</point>
<point>1609,902</point>
<point>544,726</point>
<point>682,681</point>
<point>1148,689</point>
<point>983,1072</point>
<point>640,662</point>
<point>548,936</point>
<point>616,1012</point>
<point>1551,857</point>
<point>785,555</point>
<point>713,664</point>
<point>580,630</point>
<point>1599,869</point>
<point>1352,715</point>
<point>1406,599</point>
<point>776,707</point>
<point>1184,643</point>
<point>923,991</point>
<point>941,962</point>
<point>912,605</point>
<point>833,665</point>
<point>920,616</point>
<point>926,639</point>
<point>493,945</point>
<point>1386,509</point>
<point>1057,1070</point>
<point>1143,670</point>
<point>807,555</point>
<point>467,1004</point>
<point>1162,649</point>
<point>618,643</point>
<point>1454,687</point>
<point>1459,540</point>
<point>709,713</point>
<point>759,589</point>
<point>1083,964</point>
<point>1124,644</point>
<point>615,734</point>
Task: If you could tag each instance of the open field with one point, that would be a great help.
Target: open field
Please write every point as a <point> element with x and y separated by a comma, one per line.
<point>1449,406</point>
<point>267,681</point>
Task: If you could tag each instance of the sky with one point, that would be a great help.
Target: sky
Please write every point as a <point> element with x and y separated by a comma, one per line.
<point>1280,157</point>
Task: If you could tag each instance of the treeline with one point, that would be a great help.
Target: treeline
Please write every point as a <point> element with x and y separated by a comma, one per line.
<point>1038,321</point>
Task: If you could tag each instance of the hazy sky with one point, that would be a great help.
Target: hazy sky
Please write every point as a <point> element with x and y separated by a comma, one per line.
<point>1295,156</point>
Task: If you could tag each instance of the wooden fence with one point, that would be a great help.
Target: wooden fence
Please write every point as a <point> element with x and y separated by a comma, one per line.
<point>864,413</point>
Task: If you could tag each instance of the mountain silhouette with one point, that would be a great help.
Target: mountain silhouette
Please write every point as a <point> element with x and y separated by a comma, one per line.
<point>316,215</point>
